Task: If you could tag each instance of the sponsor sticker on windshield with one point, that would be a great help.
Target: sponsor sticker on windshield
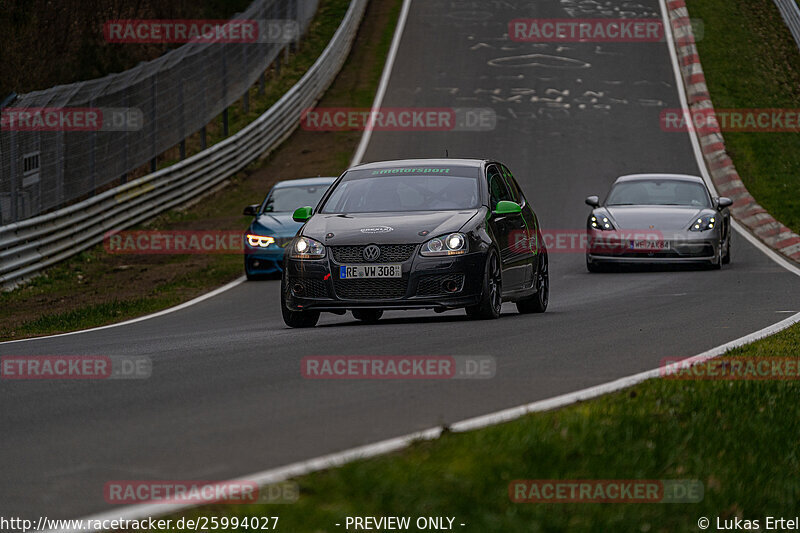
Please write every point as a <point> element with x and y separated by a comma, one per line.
<point>412,170</point>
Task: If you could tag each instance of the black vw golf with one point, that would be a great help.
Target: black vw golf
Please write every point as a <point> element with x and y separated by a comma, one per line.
<point>416,234</point>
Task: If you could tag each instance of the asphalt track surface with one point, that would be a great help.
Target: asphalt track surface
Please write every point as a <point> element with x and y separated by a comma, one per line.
<point>226,397</point>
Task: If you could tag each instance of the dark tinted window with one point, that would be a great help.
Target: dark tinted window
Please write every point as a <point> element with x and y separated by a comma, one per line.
<point>513,188</point>
<point>362,192</point>
<point>287,199</point>
<point>497,187</point>
<point>659,192</point>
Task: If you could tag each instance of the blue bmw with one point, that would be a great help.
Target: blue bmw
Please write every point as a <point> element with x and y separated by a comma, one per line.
<point>273,228</point>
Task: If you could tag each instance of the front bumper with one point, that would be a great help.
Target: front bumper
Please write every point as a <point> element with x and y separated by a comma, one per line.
<point>685,247</point>
<point>426,283</point>
<point>264,260</point>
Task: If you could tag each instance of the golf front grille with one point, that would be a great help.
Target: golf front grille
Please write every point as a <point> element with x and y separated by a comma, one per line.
<point>390,253</point>
<point>370,288</point>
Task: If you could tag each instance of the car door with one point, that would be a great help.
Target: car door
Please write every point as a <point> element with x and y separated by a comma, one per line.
<point>525,240</point>
<point>504,228</point>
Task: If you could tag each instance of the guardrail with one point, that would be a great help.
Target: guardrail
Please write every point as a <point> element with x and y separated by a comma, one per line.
<point>33,244</point>
<point>790,12</point>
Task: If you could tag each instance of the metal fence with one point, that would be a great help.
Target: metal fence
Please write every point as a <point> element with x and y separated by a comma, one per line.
<point>28,246</point>
<point>791,15</point>
<point>175,95</point>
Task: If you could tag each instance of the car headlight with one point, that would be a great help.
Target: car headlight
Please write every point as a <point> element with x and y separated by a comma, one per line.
<point>704,223</point>
<point>305,248</point>
<point>601,223</point>
<point>453,244</point>
<point>259,241</point>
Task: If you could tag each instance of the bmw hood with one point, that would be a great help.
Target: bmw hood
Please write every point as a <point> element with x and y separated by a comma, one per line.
<point>656,217</point>
<point>277,224</point>
<point>387,228</point>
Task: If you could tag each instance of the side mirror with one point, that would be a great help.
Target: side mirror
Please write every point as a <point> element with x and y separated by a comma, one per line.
<point>504,207</point>
<point>251,210</point>
<point>723,202</point>
<point>302,214</point>
<point>593,201</point>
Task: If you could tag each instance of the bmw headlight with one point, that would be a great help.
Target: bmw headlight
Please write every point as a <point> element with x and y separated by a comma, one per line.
<point>601,222</point>
<point>703,223</point>
<point>259,241</point>
<point>305,248</point>
<point>453,244</point>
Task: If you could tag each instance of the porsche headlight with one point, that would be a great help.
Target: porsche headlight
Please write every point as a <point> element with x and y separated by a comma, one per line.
<point>704,223</point>
<point>601,223</point>
<point>259,241</point>
<point>453,244</point>
<point>305,248</point>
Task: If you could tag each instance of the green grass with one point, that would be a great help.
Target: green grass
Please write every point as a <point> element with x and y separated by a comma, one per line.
<point>751,61</point>
<point>740,439</point>
<point>65,278</point>
<point>65,282</point>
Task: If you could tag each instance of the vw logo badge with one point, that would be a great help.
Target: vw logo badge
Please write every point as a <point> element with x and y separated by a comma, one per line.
<point>371,252</point>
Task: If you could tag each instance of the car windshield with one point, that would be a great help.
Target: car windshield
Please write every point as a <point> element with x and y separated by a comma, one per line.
<point>659,192</point>
<point>361,192</point>
<point>287,199</point>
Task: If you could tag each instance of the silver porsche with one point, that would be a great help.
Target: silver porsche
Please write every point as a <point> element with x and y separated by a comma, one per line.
<point>658,218</point>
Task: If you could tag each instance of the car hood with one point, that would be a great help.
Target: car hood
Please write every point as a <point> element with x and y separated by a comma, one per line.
<point>275,224</point>
<point>388,228</point>
<point>656,217</point>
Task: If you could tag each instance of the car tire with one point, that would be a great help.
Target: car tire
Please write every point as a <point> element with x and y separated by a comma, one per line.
<point>491,292</point>
<point>296,319</point>
<point>368,316</point>
<point>538,302</point>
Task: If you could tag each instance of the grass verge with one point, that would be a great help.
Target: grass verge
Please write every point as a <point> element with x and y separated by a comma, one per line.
<point>97,288</point>
<point>739,438</point>
<point>751,61</point>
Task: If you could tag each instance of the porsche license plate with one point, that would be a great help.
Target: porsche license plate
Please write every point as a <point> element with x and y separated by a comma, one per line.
<point>370,271</point>
<point>649,245</point>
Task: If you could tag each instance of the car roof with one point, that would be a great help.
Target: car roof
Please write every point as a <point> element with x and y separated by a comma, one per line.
<point>675,177</point>
<point>304,182</point>
<point>410,162</point>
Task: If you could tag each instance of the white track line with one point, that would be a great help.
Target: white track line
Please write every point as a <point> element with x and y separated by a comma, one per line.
<point>698,152</point>
<point>384,83</point>
<point>178,307</point>
<point>333,460</point>
<point>362,147</point>
<point>275,475</point>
